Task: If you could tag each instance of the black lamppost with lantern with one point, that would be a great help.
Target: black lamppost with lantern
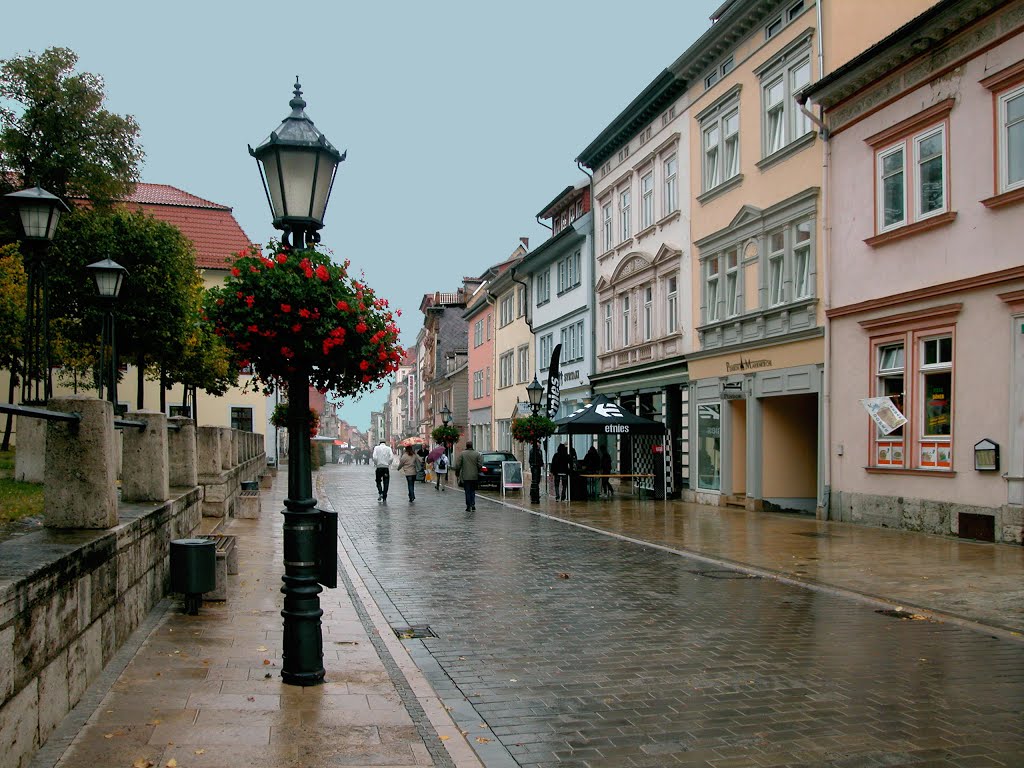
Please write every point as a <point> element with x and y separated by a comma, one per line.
<point>109,277</point>
<point>297,165</point>
<point>39,212</point>
<point>534,391</point>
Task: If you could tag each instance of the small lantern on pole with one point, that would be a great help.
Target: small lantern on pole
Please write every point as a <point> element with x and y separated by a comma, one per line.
<point>109,277</point>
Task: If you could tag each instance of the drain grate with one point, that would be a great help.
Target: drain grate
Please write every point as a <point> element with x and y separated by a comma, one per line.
<point>899,613</point>
<point>414,632</point>
<point>725,574</point>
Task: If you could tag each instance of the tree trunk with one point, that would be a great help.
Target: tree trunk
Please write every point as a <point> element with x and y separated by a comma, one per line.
<point>141,382</point>
<point>163,391</point>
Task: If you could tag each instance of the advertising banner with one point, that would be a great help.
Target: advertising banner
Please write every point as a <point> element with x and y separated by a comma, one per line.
<point>884,413</point>
<point>554,383</point>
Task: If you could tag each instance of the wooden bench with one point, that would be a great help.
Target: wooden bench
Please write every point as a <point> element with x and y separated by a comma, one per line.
<point>227,564</point>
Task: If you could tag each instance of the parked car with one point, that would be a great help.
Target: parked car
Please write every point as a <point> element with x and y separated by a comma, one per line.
<point>490,468</point>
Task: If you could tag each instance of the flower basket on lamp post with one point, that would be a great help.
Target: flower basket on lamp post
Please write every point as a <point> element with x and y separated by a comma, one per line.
<point>446,435</point>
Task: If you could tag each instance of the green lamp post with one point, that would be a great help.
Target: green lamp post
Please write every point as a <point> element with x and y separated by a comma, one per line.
<point>297,165</point>
<point>534,391</point>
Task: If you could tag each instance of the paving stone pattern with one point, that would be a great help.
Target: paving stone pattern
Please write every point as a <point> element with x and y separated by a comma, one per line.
<point>575,648</point>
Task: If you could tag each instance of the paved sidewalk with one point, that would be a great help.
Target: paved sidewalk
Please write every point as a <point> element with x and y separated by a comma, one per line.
<point>205,691</point>
<point>967,582</point>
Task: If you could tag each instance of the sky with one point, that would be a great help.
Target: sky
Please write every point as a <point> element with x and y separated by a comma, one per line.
<point>461,119</point>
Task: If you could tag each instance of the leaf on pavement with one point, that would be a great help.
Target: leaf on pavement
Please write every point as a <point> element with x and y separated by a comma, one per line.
<point>563,575</point>
<point>143,763</point>
<point>172,763</point>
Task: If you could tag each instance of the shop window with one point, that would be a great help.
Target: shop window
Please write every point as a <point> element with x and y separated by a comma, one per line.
<point>709,446</point>
<point>241,419</point>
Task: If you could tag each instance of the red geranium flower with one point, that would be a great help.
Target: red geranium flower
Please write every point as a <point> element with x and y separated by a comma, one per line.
<point>286,308</point>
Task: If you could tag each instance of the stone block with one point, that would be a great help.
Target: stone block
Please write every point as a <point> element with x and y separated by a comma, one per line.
<point>6,663</point>
<point>19,727</point>
<point>183,468</point>
<point>108,636</point>
<point>249,505</point>
<point>145,474</point>
<point>44,631</point>
<point>80,488</point>
<point>54,701</point>
<point>85,661</point>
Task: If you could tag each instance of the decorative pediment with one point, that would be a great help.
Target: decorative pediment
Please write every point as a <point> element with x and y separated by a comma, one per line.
<point>634,262</point>
<point>667,252</point>
<point>602,285</point>
<point>745,215</point>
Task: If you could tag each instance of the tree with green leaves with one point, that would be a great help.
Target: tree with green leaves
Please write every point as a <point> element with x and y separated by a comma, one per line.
<point>12,323</point>
<point>159,306</point>
<point>55,132</point>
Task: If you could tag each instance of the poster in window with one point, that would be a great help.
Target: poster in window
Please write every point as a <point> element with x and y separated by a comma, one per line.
<point>884,413</point>
<point>937,406</point>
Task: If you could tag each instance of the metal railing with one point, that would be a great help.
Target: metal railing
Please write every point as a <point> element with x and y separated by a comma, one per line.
<point>72,417</point>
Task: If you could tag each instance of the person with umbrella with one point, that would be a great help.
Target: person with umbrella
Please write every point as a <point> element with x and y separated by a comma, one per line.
<point>439,459</point>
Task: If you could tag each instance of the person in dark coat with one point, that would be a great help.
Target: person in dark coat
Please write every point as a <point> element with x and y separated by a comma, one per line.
<point>560,471</point>
<point>591,466</point>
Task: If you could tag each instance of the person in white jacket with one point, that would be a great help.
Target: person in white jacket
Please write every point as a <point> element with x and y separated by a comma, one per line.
<point>382,458</point>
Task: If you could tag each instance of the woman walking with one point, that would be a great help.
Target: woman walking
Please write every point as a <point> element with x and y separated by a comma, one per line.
<point>407,467</point>
<point>441,473</point>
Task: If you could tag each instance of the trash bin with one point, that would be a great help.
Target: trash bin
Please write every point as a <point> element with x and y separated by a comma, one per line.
<point>193,570</point>
<point>250,485</point>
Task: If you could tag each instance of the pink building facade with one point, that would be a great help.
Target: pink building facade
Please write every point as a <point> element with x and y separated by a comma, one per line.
<point>924,275</point>
<point>480,316</point>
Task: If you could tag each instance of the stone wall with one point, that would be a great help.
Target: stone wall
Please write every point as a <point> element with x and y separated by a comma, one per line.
<point>922,515</point>
<point>68,600</point>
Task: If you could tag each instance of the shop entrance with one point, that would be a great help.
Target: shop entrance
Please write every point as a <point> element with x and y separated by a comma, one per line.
<point>790,451</point>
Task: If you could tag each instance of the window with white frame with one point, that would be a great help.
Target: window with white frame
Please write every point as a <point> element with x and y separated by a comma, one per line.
<point>773,27</point>
<point>711,279</point>
<point>935,414</point>
<point>544,351</point>
<point>523,363</point>
<point>625,319</point>
<point>542,285</point>
<point>802,260</point>
<point>782,119</point>
<point>776,268</point>
<point>669,202</point>
<point>478,384</point>
<point>490,326</point>
<point>572,342</point>
<point>1011,139</point>
<point>606,226</point>
<point>732,283</point>
<point>506,369</point>
<point>647,200</point>
<point>648,323</point>
<point>487,379</point>
<point>672,306</point>
<point>521,301</point>
<point>721,156</point>
<point>241,418</point>
<point>478,333</point>
<point>625,231</point>
<point>609,341</point>
<point>569,272</point>
<point>911,178</point>
<point>506,310</point>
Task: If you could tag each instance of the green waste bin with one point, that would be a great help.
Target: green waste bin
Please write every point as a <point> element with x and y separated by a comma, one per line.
<point>250,485</point>
<point>193,570</point>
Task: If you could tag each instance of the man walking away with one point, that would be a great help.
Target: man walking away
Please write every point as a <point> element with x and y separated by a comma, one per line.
<point>382,458</point>
<point>467,468</point>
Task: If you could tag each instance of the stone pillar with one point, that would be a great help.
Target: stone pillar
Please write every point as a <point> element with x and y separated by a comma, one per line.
<point>208,449</point>
<point>227,449</point>
<point>30,458</point>
<point>80,488</point>
<point>181,453</point>
<point>144,473</point>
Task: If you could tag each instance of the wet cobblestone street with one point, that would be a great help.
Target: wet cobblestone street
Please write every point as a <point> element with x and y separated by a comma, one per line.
<point>561,646</point>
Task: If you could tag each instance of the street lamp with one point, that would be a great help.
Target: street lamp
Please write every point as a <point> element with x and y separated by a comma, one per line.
<point>297,166</point>
<point>108,276</point>
<point>39,212</point>
<point>446,416</point>
<point>534,391</point>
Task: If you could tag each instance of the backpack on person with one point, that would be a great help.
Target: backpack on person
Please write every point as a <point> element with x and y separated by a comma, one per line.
<point>442,463</point>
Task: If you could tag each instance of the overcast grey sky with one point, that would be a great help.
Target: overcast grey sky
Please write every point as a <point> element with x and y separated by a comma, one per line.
<point>461,119</point>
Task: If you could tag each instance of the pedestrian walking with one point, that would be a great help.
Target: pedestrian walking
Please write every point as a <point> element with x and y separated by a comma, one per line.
<point>382,458</point>
<point>421,466</point>
<point>560,471</point>
<point>441,471</point>
<point>467,468</point>
<point>606,469</point>
<point>591,466</point>
<point>408,463</point>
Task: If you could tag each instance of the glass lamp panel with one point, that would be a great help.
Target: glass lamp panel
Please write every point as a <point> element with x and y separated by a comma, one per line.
<point>324,177</point>
<point>39,221</point>
<point>297,168</point>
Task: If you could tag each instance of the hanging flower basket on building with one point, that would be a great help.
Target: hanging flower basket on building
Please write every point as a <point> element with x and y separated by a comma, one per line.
<point>446,434</point>
<point>295,313</point>
<point>527,429</point>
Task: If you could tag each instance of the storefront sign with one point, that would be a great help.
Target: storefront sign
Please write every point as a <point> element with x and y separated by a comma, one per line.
<point>746,364</point>
<point>571,376</point>
<point>732,390</point>
<point>884,413</point>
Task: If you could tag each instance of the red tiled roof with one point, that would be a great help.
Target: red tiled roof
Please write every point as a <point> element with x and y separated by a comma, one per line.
<point>210,226</point>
